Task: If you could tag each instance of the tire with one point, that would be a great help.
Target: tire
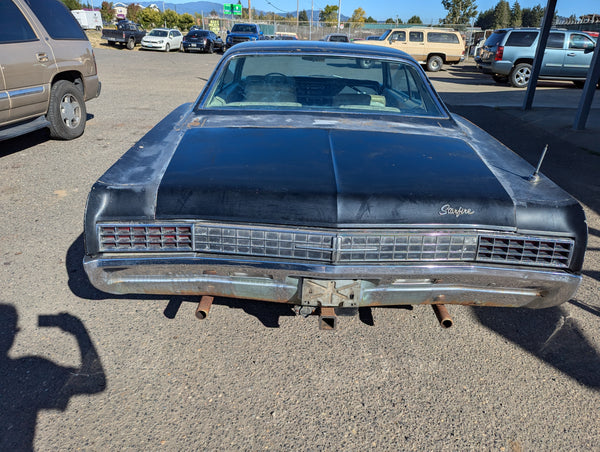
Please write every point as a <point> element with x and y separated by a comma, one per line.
<point>434,63</point>
<point>167,47</point>
<point>131,43</point>
<point>500,78</point>
<point>520,75</point>
<point>181,49</point>
<point>66,111</point>
<point>211,48</point>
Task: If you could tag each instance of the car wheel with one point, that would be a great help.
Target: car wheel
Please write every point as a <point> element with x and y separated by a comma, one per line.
<point>364,63</point>
<point>131,43</point>
<point>520,75</point>
<point>211,48</point>
<point>434,63</point>
<point>167,47</point>
<point>66,111</point>
<point>181,49</point>
<point>500,78</point>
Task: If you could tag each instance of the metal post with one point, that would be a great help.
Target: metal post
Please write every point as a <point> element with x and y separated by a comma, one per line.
<point>539,54</point>
<point>339,14</point>
<point>311,20</point>
<point>587,96</point>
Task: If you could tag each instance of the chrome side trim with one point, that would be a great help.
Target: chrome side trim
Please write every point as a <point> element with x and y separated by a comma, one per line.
<point>26,91</point>
<point>381,285</point>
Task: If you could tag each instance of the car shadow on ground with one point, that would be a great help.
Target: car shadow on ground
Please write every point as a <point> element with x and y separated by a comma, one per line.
<point>549,334</point>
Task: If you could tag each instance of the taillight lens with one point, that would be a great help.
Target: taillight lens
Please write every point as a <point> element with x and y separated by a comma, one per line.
<point>499,53</point>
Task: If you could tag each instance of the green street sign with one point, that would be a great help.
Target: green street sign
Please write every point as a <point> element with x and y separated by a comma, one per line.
<point>227,7</point>
<point>237,9</point>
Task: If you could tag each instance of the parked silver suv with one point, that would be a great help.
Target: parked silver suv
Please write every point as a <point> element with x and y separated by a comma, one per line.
<point>47,69</point>
<point>508,55</point>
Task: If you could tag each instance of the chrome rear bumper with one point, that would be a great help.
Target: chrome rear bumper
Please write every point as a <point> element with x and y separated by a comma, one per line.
<point>332,285</point>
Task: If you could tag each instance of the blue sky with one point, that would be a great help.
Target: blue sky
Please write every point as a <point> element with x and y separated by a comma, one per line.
<point>428,10</point>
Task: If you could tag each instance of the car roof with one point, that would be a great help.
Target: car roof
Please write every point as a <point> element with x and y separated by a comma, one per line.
<point>312,47</point>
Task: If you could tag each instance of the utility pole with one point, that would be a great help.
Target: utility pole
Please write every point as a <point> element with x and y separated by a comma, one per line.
<point>249,11</point>
<point>339,14</point>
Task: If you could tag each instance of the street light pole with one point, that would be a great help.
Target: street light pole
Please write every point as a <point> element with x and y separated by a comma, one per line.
<point>339,14</point>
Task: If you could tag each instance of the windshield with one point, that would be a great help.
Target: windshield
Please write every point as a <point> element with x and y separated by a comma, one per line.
<point>241,28</point>
<point>324,83</point>
<point>385,35</point>
<point>158,33</point>
<point>196,34</point>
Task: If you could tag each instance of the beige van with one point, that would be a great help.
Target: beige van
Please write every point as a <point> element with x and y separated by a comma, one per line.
<point>47,69</point>
<point>430,46</point>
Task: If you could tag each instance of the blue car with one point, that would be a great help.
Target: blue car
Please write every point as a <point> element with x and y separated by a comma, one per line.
<point>508,56</point>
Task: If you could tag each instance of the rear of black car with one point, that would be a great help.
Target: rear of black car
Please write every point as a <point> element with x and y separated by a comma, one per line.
<point>198,41</point>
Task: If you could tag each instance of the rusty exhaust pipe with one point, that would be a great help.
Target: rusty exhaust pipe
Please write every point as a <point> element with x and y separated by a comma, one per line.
<point>204,307</point>
<point>442,315</point>
<point>327,318</point>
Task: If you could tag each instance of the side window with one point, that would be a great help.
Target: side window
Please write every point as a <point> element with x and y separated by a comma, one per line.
<point>521,38</point>
<point>13,25</point>
<point>556,41</point>
<point>415,36</point>
<point>446,38</point>
<point>398,36</point>
<point>582,42</point>
<point>56,19</point>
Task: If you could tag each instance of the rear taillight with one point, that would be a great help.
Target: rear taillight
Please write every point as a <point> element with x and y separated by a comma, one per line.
<point>499,53</point>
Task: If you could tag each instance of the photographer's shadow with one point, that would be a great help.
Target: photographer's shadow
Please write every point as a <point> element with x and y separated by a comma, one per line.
<point>30,384</point>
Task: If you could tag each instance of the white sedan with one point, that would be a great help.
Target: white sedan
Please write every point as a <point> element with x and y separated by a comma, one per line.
<point>163,39</point>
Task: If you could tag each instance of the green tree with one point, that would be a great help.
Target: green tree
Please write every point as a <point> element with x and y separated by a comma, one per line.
<point>532,17</point>
<point>150,18</point>
<point>459,11</point>
<point>133,12</point>
<point>389,20</point>
<point>415,20</point>
<point>72,4</point>
<point>370,20</point>
<point>328,15</point>
<point>186,21</point>
<point>502,14</point>
<point>516,15</point>
<point>358,18</point>
<point>107,11</point>
<point>303,17</point>
<point>485,21</point>
<point>170,18</point>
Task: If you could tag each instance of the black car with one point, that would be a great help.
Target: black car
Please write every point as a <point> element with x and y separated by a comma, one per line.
<point>202,41</point>
<point>302,177</point>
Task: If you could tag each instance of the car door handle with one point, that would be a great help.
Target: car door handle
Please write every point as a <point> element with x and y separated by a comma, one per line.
<point>42,57</point>
<point>571,54</point>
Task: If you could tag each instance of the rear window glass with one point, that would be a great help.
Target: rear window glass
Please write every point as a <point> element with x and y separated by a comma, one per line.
<point>56,19</point>
<point>494,39</point>
<point>521,38</point>
<point>448,38</point>
<point>13,25</point>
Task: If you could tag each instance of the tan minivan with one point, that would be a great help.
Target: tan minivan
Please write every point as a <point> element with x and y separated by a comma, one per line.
<point>47,69</point>
<point>432,47</point>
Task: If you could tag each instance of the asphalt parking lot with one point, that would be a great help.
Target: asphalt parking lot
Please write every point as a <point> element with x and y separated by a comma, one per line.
<point>252,376</point>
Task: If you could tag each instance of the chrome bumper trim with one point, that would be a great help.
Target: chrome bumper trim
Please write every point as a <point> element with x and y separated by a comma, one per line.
<point>381,285</point>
